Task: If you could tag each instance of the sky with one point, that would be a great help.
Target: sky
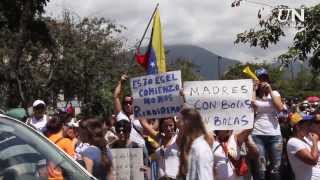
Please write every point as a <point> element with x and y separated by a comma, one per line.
<point>210,24</point>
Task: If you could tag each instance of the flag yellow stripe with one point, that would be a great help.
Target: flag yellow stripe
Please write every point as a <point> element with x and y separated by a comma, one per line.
<point>157,43</point>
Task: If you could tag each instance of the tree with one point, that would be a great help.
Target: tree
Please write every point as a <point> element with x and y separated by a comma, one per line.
<point>91,61</point>
<point>306,42</point>
<point>82,58</point>
<point>22,30</point>
<point>300,87</point>
<point>235,72</point>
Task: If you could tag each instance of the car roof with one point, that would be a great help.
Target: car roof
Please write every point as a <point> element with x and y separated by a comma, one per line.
<point>35,131</point>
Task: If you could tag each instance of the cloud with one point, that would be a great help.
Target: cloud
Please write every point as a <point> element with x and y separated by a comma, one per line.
<point>211,24</point>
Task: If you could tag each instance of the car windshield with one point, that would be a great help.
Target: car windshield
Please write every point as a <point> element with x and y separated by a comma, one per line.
<point>26,155</point>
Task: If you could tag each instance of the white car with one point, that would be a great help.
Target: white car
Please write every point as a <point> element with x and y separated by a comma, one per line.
<point>26,154</point>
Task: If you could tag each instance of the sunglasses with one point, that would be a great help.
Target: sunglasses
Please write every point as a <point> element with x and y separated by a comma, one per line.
<point>128,102</point>
<point>122,130</point>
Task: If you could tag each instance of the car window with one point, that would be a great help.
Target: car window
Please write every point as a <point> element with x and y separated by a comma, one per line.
<point>26,155</point>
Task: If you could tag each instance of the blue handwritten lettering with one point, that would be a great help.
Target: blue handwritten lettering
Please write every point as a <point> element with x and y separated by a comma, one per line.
<point>235,104</point>
<point>136,110</point>
<point>230,121</point>
<point>136,83</point>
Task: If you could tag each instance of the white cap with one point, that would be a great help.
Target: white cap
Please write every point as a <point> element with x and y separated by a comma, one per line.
<point>122,116</point>
<point>38,102</point>
<point>73,123</point>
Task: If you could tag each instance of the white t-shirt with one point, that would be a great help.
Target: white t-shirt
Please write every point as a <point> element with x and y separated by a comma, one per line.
<point>200,160</point>
<point>81,147</point>
<point>223,168</point>
<point>302,171</point>
<point>168,159</point>
<point>39,124</point>
<point>266,122</point>
<point>135,125</point>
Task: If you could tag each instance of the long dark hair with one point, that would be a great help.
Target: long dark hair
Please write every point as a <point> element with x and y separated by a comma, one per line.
<point>53,126</point>
<point>96,137</point>
<point>195,129</point>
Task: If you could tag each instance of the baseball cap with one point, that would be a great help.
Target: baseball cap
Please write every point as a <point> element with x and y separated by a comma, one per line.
<point>122,116</point>
<point>73,123</point>
<point>297,117</point>
<point>38,102</point>
<point>123,125</point>
<point>261,71</point>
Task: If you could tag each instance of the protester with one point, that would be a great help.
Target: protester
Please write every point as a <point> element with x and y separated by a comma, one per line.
<point>124,110</point>
<point>227,155</point>
<point>70,131</point>
<point>39,119</point>
<point>110,129</point>
<point>167,155</point>
<point>303,149</point>
<point>266,133</point>
<point>151,134</point>
<point>196,158</point>
<point>54,132</point>
<point>304,107</point>
<point>97,157</point>
<point>123,131</point>
<point>83,140</point>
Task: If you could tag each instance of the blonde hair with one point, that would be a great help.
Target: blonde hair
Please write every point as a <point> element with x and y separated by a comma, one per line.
<point>195,129</point>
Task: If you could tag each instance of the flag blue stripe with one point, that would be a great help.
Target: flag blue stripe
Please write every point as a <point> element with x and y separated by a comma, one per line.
<point>152,63</point>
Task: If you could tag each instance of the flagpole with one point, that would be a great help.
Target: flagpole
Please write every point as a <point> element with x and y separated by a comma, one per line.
<point>145,31</point>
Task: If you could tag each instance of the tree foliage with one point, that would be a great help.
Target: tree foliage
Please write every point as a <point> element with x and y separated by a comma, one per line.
<point>83,59</point>
<point>22,31</point>
<point>301,86</point>
<point>41,57</point>
<point>306,41</point>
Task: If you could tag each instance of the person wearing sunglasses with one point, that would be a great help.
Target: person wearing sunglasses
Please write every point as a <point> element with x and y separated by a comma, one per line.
<point>124,111</point>
<point>123,130</point>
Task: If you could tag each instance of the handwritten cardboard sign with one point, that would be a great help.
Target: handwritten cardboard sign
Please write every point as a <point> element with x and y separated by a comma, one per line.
<point>157,96</point>
<point>224,105</point>
<point>127,163</point>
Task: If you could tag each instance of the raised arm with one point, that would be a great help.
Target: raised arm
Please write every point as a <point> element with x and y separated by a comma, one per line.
<point>117,94</point>
<point>308,157</point>
<point>146,126</point>
<point>277,102</point>
<point>243,136</point>
<point>276,98</point>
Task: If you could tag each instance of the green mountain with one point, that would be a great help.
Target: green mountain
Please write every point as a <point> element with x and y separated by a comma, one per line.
<point>209,63</point>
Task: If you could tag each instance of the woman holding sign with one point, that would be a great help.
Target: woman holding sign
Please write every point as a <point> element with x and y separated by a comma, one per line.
<point>229,160</point>
<point>196,158</point>
<point>266,132</point>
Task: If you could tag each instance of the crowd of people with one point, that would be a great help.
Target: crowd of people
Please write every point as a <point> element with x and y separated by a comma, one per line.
<point>283,144</point>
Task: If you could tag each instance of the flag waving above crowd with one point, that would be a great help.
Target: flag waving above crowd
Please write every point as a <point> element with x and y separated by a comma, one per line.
<point>154,60</point>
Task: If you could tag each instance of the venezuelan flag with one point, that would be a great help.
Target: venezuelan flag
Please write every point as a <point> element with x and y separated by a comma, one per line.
<point>154,60</point>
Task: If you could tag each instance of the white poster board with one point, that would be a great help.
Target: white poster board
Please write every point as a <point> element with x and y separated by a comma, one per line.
<point>224,105</point>
<point>127,163</point>
<point>157,96</point>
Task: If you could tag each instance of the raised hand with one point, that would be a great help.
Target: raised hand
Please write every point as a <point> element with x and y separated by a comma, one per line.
<point>124,77</point>
<point>314,137</point>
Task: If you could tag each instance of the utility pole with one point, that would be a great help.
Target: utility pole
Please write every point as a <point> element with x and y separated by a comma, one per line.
<point>291,67</point>
<point>219,67</point>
